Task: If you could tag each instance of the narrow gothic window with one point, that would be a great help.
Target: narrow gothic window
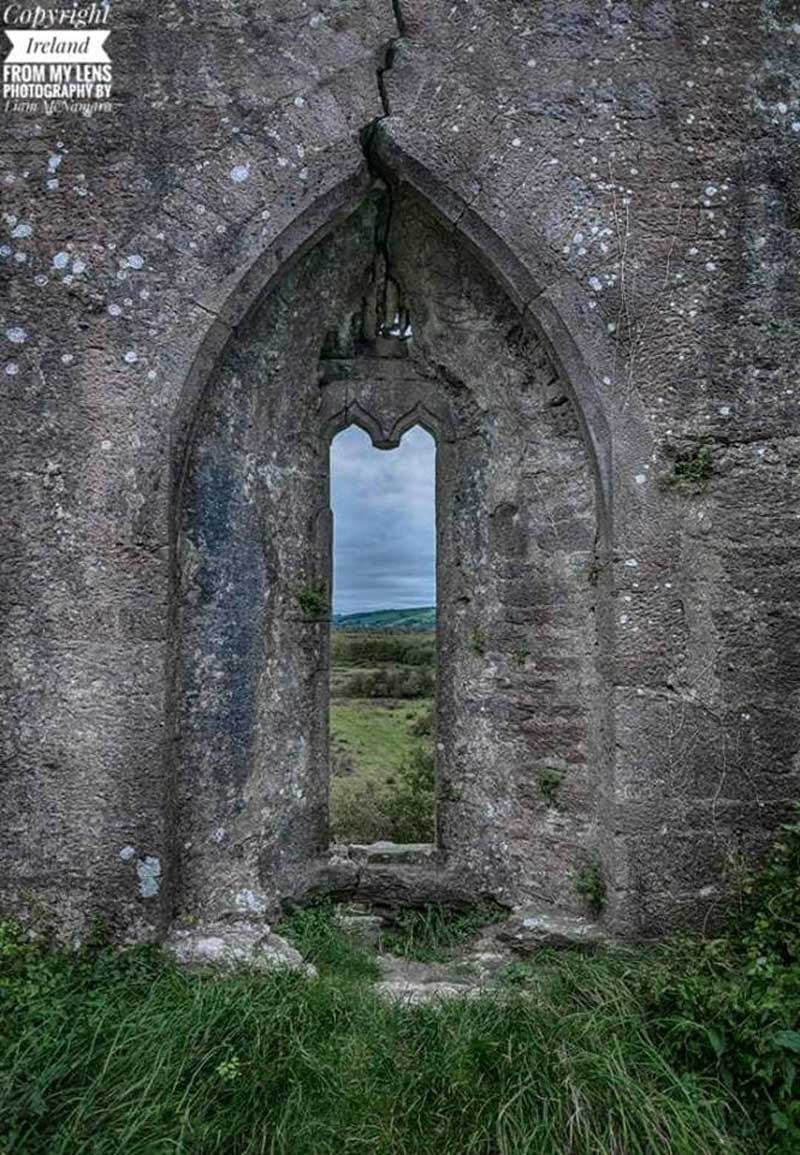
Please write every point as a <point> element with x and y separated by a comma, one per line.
<point>383,647</point>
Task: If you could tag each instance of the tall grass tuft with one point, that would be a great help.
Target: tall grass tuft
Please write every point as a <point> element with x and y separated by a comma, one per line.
<point>430,933</point>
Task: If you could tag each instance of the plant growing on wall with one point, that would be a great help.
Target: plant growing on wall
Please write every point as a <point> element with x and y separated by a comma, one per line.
<point>477,641</point>
<point>549,782</point>
<point>691,468</point>
<point>312,598</point>
<point>591,885</point>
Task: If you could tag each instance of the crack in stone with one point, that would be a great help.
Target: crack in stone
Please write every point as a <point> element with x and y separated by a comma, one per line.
<point>399,19</point>
<point>381,272</point>
<point>380,73</point>
<point>388,58</point>
<point>387,287</point>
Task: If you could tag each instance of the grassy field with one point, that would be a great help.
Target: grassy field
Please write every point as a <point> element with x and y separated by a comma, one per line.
<point>377,740</point>
<point>375,737</point>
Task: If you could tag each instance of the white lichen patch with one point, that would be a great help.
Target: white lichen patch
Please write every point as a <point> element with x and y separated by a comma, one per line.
<point>240,173</point>
<point>61,260</point>
<point>16,335</point>
<point>127,853</point>
<point>149,872</point>
<point>251,900</point>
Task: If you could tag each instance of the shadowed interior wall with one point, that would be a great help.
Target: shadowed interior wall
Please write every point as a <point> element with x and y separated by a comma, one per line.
<point>519,695</point>
<point>251,736</point>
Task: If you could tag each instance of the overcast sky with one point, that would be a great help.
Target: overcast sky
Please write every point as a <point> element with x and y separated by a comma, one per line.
<point>384,523</point>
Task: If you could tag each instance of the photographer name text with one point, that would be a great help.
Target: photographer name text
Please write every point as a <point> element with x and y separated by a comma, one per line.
<point>58,61</point>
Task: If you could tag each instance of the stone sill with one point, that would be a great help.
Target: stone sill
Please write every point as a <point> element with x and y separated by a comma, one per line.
<point>393,874</point>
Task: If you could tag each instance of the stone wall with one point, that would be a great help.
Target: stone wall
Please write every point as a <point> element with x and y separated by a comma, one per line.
<point>620,182</point>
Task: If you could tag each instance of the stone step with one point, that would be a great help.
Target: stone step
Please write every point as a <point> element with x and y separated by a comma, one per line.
<point>530,928</point>
<point>363,928</point>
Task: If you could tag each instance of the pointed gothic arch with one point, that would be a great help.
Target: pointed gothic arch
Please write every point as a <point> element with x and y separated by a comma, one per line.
<point>291,860</point>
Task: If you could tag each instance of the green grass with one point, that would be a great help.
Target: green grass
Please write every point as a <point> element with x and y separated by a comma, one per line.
<point>690,1049</point>
<point>375,735</point>
<point>430,933</point>
<point>315,933</point>
<point>107,1053</point>
<point>400,809</point>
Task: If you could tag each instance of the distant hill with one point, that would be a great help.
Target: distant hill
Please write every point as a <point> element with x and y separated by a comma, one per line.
<point>422,618</point>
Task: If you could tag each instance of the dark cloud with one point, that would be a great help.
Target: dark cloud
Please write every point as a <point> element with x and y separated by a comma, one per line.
<point>384,541</point>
